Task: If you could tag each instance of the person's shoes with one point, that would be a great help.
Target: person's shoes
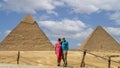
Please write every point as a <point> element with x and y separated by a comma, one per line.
<point>58,65</point>
<point>65,65</point>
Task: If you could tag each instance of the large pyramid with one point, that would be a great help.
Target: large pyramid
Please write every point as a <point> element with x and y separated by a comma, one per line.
<point>27,36</point>
<point>100,40</point>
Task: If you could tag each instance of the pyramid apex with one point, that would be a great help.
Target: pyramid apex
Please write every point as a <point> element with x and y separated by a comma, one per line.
<point>28,19</point>
<point>99,26</point>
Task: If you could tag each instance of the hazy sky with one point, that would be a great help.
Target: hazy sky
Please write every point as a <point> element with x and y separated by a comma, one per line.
<point>73,19</point>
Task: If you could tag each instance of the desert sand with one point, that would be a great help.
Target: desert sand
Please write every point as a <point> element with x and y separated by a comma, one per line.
<point>48,58</point>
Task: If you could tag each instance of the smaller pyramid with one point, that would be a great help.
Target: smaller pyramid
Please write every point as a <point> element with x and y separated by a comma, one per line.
<point>100,40</point>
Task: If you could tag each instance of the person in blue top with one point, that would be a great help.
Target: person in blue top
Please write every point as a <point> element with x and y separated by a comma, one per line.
<point>65,48</point>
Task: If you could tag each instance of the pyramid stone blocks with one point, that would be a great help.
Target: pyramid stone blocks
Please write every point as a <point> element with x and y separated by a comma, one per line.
<point>27,36</point>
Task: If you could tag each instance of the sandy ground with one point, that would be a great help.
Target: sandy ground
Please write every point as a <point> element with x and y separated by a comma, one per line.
<point>48,58</point>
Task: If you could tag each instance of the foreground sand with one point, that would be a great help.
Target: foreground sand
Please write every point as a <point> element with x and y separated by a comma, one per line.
<point>48,58</point>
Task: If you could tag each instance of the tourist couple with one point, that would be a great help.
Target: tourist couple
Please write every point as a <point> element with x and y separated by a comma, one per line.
<point>61,49</point>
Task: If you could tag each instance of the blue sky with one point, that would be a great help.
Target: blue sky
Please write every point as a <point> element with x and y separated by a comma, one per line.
<point>73,19</point>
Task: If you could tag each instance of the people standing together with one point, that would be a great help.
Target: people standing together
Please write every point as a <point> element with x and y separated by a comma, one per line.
<point>61,50</point>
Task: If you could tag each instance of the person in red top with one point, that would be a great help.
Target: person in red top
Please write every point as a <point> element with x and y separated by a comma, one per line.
<point>58,51</point>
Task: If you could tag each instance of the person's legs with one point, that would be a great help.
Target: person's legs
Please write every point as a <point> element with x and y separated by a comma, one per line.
<point>65,58</point>
<point>58,61</point>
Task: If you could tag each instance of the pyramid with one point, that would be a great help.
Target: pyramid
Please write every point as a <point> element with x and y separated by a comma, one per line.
<point>100,40</point>
<point>27,36</point>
